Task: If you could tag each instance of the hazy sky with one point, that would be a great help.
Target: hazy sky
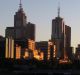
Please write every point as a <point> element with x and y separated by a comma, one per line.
<point>41,13</point>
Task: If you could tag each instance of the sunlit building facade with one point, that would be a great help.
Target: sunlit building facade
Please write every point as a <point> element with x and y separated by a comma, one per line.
<point>31,44</point>
<point>28,54</point>
<point>50,50</point>
<point>39,55</point>
<point>18,51</point>
<point>47,48</point>
<point>9,51</point>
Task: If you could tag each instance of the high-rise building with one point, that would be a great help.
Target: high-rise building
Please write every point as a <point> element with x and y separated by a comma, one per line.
<point>58,35</point>
<point>68,42</point>
<point>68,35</point>
<point>20,24</point>
<point>61,37</point>
<point>30,31</point>
<point>20,17</point>
<point>22,30</point>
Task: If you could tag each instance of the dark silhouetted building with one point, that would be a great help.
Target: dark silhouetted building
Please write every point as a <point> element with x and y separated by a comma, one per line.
<point>68,48</point>
<point>68,35</point>
<point>58,35</point>
<point>9,32</point>
<point>30,31</point>
<point>22,30</point>
<point>61,37</point>
<point>2,47</point>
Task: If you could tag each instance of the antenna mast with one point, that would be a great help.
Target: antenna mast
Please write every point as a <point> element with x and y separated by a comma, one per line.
<point>59,9</point>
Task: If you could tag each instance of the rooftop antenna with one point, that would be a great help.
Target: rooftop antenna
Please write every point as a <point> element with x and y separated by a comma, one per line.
<point>20,5</point>
<point>59,9</point>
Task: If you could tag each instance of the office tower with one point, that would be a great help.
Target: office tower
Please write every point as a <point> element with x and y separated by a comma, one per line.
<point>22,30</point>
<point>20,17</point>
<point>20,24</point>
<point>68,41</point>
<point>58,34</point>
<point>30,31</point>
<point>68,35</point>
<point>61,37</point>
<point>9,51</point>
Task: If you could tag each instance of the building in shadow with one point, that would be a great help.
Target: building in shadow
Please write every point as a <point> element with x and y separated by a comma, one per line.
<point>61,37</point>
<point>22,30</point>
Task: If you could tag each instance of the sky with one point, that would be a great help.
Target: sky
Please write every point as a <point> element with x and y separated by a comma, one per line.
<point>41,13</point>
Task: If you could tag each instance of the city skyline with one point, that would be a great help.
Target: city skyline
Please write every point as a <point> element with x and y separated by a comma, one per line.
<point>37,18</point>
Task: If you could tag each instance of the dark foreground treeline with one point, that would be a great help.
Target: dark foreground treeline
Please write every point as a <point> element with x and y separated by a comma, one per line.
<point>25,67</point>
<point>33,63</point>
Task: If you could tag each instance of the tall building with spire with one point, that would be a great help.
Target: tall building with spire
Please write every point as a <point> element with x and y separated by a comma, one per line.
<point>58,34</point>
<point>20,17</point>
<point>61,36</point>
<point>22,29</point>
<point>20,23</point>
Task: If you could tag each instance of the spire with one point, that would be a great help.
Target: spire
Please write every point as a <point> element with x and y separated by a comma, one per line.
<point>59,9</point>
<point>20,5</point>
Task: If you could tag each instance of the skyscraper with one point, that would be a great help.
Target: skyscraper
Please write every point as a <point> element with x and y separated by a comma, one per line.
<point>61,37</point>
<point>68,41</point>
<point>58,34</point>
<point>20,17</point>
<point>20,23</point>
<point>22,30</point>
<point>30,31</point>
<point>68,35</point>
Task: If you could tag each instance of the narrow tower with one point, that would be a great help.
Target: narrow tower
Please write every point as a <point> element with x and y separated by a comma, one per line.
<point>20,17</point>
<point>58,9</point>
<point>57,34</point>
